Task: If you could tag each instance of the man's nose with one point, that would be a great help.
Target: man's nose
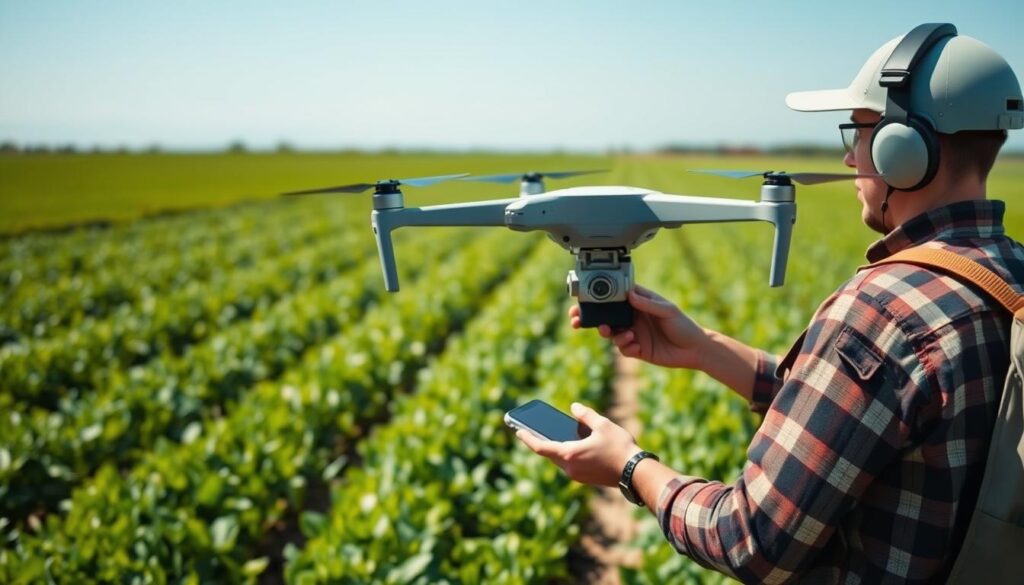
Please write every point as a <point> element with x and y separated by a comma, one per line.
<point>849,161</point>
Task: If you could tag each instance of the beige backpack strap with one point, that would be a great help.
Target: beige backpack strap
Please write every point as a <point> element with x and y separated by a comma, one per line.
<point>968,269</point>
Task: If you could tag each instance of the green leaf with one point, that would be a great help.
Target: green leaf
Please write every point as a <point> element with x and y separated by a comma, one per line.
<point>91,432</point>
<point>413,567</point>
<point>255,566</point>
<point>334,468</point>
<point>290,552</point>
<point>312,524</point>
<point>224,532</point>
<point>191,432</point>
<point>210,490</point>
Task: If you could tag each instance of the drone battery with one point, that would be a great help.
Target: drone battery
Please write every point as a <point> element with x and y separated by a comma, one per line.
<point>617,315</point>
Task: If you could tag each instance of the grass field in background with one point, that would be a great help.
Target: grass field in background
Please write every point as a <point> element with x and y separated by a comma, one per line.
<point>55,190</point>
<point>227,394</point>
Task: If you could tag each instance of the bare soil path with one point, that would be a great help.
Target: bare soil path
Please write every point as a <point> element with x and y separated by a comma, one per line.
<point>612,524</point>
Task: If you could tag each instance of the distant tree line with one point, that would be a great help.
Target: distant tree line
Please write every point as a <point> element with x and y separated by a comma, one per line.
<point>805,150</point>
<point>9,147</point>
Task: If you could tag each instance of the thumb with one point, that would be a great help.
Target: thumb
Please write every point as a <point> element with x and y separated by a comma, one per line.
<point>585,414</point>
<point>656,307</point>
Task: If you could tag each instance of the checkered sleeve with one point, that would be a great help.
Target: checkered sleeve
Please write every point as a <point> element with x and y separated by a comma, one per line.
<point>834,424</point>
<point>766,383</point>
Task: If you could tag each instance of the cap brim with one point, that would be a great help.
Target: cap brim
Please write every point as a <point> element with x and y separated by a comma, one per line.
<point>825,100</point>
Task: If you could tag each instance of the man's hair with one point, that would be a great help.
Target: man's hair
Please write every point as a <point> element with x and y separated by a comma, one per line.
<point>971,151</point>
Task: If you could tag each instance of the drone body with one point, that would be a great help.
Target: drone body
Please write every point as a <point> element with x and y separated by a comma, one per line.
<point>599,225</point>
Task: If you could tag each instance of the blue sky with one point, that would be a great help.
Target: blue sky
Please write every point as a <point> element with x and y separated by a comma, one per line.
<point>451,74</point>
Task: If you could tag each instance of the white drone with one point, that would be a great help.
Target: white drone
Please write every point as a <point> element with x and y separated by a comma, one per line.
<point>598,225</point>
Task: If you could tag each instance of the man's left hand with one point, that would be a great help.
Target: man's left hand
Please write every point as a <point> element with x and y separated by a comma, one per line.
<point>595,460</point>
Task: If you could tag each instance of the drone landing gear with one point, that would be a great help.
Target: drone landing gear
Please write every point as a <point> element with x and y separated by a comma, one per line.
<point>617,315</point>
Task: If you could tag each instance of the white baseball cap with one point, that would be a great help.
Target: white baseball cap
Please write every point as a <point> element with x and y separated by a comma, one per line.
<point>970,87</point>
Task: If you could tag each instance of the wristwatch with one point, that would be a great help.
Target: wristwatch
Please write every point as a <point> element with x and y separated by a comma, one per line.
<point>626,481</point>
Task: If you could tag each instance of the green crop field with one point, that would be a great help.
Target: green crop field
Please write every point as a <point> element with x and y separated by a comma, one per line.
<point>227,394</point>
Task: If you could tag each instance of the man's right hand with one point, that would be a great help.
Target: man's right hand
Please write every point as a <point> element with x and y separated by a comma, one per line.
<point>661,333</point>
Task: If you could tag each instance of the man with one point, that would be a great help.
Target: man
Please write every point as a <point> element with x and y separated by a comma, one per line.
<point>867,464</point>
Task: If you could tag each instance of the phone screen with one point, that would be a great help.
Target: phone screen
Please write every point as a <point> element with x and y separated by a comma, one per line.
<point>547,421</point>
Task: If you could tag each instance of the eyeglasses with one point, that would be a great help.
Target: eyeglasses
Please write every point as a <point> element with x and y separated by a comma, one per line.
<point>851,134</point>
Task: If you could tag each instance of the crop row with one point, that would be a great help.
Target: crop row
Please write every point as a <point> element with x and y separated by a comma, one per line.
<point>47,256</point>
<point>444,492</point>
<point>196,510</point>
<point>48,452</point>
<point>41,372</point>
<point>94,282</point>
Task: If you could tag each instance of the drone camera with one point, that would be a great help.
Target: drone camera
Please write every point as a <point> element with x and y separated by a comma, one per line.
<point>598,287</point>
<point>601,287</point>
<point>601,281</point>
<point>601,276</point>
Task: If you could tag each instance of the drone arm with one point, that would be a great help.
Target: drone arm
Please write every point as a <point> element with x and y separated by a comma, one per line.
<point>688,209</point>
<point>680,209</point>
<point>479,213</point>
<point>483,213</point>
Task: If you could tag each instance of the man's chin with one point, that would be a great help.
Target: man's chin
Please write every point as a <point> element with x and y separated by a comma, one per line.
<point>870,219</point>
<point>874,223</point>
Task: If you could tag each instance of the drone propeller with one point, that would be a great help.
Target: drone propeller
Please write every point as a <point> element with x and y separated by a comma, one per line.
<point>361,187</point>
<point>802,178</point>
<point>531,176</point>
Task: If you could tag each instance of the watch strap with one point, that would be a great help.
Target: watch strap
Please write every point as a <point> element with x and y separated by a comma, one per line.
<point>626,480</point>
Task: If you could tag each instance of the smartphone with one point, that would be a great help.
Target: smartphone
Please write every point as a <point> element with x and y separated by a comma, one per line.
<point>546,421</point>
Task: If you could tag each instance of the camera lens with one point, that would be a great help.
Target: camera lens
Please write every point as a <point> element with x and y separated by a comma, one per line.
<point>601,287</point>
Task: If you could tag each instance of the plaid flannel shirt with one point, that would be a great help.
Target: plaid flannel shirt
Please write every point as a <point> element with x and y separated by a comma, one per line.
<point>867,464</point>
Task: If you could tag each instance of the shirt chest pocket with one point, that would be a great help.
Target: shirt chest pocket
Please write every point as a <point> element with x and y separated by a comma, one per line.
<point>857,354</point>
<point>854,352</point>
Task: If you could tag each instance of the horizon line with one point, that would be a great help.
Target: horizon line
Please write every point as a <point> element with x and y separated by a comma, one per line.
<point>10,147</point>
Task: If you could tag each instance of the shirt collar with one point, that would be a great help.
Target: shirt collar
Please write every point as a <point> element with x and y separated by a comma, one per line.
<point>979,218</point>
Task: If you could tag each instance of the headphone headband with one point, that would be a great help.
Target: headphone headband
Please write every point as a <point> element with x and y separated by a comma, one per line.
<point>899,67</point>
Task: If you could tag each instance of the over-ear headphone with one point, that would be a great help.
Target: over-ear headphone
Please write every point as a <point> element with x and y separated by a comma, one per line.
<point>905,146</point>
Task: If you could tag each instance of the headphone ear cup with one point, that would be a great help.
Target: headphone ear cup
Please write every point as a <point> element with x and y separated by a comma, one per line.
<point>906,154</point>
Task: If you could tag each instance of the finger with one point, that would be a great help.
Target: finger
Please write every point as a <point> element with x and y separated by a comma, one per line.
<point>539,446</point>
<point>574,311</point>
<point>624,338</point>
<point>575,322</point>
<point>605,331</point>
<point>646,292</point>
<point>632,350</point>
<point>586,415</point>
<point>643,290</point>
<point>656,307</point>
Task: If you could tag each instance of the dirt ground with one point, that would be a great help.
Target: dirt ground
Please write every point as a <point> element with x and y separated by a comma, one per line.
<point>612,522</point>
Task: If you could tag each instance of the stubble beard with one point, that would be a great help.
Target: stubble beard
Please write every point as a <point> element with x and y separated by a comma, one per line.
<point>874,221</point>
<point>873,218</point>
